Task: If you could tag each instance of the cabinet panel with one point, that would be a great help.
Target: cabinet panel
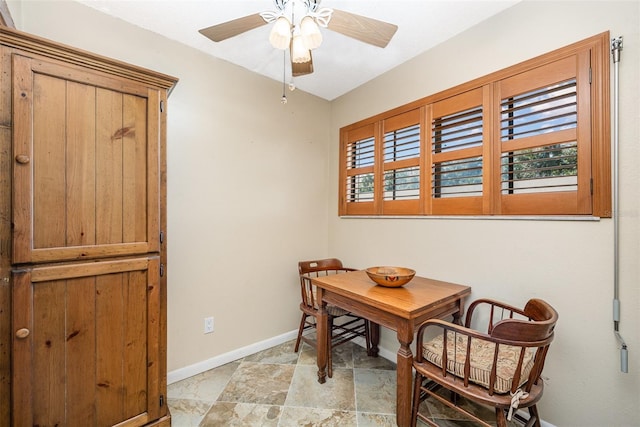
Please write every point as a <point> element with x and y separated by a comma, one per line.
<point>82,200</point>
<point>86,170</point>
<point>86,349</point>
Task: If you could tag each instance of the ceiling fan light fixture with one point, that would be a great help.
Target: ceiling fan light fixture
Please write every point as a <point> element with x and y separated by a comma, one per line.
<point>310,32</point>
<point>296,26</point>
<point>299,52</point>
<point>280,35</point>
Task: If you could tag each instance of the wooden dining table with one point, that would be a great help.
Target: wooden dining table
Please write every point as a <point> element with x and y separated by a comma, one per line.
<point>400,309</point>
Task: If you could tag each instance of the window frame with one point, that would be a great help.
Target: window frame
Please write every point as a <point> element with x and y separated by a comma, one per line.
<point>593,194</point>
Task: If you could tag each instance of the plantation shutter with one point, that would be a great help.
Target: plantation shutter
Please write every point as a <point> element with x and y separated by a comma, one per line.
<point>532,139</point>
<point>401,147</point>
<point>543,145</point>
<point>357,184</point>
<point>457,154</point>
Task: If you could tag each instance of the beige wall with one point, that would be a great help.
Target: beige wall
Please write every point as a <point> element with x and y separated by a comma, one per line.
<point>566,263</point>
<point>239,219</point>
<point>247,183</point>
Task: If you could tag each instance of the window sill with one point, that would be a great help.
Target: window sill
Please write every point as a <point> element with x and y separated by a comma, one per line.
<point>482,217</point>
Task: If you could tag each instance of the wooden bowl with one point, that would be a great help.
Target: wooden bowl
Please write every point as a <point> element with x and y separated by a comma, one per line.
<point>391,277</point>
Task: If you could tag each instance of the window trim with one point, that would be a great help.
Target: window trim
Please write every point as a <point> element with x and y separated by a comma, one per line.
<point>596,153</point>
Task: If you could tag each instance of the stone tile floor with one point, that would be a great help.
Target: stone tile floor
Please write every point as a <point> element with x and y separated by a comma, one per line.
<point>277,387</point>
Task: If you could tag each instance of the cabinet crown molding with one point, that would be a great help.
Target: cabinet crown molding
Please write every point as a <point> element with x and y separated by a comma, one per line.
<point>54,50</point>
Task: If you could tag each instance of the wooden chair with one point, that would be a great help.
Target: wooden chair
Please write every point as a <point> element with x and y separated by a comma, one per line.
<point>500,368</point>
<point>348,325</point>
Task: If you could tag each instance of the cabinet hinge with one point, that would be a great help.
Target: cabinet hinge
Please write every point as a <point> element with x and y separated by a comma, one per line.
<point>161,400</point>
<point>161,270</point>
<point>162,237</point>
<point>162,106</point>
<point>590,69</point>
<point>591,186</point>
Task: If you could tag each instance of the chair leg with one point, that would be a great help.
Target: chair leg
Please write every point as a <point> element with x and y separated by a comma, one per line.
<point>367,336</point>
<point>533,412</point>
<point>501,419</point>
<point>453,397</point>
<point>329,348</point>
<point>300,331</point>
<point>417,382</point>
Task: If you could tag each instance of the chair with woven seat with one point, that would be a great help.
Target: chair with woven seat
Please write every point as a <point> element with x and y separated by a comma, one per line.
<point>343,326</point>
<point>500,368</point>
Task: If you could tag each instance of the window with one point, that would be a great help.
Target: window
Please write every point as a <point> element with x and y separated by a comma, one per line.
<point>532,139</point>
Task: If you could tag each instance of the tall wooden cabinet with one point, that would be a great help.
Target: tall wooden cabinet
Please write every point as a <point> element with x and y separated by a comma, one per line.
<point>82,246</point>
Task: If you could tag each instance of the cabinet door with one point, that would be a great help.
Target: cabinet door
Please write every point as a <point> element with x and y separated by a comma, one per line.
<point>85,346</point>
<point>86,164</point>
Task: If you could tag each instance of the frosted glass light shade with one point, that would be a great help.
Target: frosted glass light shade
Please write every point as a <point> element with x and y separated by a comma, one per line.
<point>299,52</point>
<point>280,35</point>
<point>310,33</point>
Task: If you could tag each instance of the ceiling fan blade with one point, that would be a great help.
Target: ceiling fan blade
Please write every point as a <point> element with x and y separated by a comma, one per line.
<point>368,30</point>
<point>301,68</point>
<point>233,28</point>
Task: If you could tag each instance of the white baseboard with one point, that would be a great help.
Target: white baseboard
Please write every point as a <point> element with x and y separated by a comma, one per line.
<point>222,359</point>
<point>389,355</point>
<point>214,362</point>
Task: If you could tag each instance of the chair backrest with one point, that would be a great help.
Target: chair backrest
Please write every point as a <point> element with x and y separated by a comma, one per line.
<point>537,333</point>
<point>320,265</point>
<point>539,327</point>
<point>531,329</point>
<point>316,268</point>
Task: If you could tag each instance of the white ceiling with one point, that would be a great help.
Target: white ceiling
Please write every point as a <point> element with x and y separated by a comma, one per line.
<point>340,63</point>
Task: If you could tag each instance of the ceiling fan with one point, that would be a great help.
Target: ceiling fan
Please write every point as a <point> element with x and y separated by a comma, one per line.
<point>296,27</point>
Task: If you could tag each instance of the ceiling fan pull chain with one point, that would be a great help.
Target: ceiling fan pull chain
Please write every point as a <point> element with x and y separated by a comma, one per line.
<point>284,77</point>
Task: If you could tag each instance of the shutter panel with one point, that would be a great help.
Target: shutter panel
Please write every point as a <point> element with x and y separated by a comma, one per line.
<point>401,147</point>
<point>540,155</point>
<point>541,112</point>
<point>357,186</point>
<point>457,155</point>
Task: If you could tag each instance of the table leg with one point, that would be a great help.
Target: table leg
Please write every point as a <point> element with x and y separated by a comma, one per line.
<point>374,336</point>
<point>404,378</point>
<point>322,338</point>
<point>457,316</point>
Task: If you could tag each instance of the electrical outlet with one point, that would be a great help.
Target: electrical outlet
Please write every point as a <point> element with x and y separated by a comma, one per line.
<point>208,325</point>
